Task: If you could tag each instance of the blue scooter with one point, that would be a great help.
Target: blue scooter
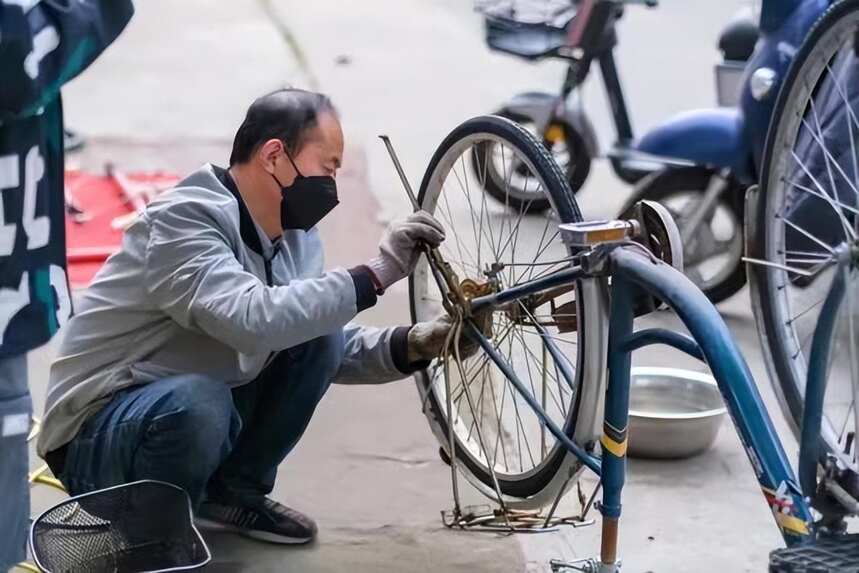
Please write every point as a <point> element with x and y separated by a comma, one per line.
<point>698,163</point>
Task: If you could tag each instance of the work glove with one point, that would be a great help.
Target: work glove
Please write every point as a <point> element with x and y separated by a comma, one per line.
<point>426,339</point>
<point>399,247</point>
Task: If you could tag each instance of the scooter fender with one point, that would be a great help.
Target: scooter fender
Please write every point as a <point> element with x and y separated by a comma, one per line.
<point>711,137</point>
<point>542,107</point>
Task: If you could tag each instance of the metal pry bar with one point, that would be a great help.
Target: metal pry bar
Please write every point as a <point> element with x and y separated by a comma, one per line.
<point>400,172</point>
<point>441,271</point>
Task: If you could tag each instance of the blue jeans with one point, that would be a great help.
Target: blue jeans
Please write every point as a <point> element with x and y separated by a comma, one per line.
<point>194,432</point>
<point>15,411</point>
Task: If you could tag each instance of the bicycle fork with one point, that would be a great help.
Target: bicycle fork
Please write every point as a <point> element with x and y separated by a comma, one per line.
<point>711,342</point>
<point>634,276</point>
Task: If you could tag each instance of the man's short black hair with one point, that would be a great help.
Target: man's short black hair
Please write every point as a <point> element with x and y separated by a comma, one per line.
<point>286,114</point>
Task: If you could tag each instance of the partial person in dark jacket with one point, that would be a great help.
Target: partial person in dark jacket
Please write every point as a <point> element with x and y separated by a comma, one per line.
<point>43,44</point>
<point>201,349</point>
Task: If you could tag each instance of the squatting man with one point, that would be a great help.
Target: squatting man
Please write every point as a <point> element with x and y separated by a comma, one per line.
<point>201,349</point>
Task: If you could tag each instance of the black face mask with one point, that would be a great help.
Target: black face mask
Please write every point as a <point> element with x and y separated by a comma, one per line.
<point>307,200</point>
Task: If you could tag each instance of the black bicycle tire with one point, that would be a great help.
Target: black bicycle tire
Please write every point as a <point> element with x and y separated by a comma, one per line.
<point>576,174</point>
<point>675,180</point>
<point>568,211</point>
<point>783,376</point>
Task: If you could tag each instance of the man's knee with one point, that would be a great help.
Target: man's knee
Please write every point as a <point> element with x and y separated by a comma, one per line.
<point>326,352</point>
<point>197,412</point>
<point>314,363</point>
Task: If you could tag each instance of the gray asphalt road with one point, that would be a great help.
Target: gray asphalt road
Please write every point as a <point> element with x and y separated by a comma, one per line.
<point>171,93</point>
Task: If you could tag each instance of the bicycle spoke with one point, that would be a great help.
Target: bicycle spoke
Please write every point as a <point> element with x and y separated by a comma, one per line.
<point>814,193</point>
<point>506,201</point>
<point>466,192</point>
<point>534,356</point>
<point>448,215</point>
<point>830,160</point>
<point>562,388</point>
<point>480,403</point>
<point>477,230</point>
<point>485,360</point>
<point>805,342</point>
<point>539,247</point>
<point>515,238</point>
<point>499,426</point>
<point>795,253</point>
<point>792,319</point>
<point>808,235</point>
<point>541,251</point>
<point>548,270</point>
<point>851,125</point>
<point>555,338</point>
<point>829,200</point>
<point>521,426</point>
<point>491,237</point>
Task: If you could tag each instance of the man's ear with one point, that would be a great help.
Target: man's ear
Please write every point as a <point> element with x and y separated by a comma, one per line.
<point>269,152</point>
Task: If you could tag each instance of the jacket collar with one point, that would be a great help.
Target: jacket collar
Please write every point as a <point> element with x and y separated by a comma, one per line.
<point>250,232</point>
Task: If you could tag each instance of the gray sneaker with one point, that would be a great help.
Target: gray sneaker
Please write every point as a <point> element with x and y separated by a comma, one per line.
<point>267,521</point>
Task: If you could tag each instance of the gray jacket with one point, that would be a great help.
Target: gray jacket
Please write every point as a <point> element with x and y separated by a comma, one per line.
<point>198,288</point>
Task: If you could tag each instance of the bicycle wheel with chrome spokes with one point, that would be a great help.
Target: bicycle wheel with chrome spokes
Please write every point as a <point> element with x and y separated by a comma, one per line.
<point>807,211</point>
<point>492,247</point>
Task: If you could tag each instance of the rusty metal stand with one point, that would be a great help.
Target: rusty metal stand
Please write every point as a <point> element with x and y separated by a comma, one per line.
<point>502,519</point>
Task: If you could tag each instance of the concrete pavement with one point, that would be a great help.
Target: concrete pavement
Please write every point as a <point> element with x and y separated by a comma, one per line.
<point>170,94</point>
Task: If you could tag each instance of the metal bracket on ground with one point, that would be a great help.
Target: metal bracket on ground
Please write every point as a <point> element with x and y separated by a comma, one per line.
<point>504,519</point>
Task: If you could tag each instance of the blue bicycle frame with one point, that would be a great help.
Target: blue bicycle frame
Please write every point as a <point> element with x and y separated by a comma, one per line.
<point>711,340</point>
<point>635,274</point>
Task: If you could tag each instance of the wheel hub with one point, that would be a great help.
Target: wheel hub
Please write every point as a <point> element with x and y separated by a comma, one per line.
<point>470,288</point>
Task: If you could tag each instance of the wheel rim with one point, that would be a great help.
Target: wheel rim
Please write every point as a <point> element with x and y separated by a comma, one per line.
<point>716,248</point>
<point>515,184</point>
<point>812,198</point>
<point>481,233</point>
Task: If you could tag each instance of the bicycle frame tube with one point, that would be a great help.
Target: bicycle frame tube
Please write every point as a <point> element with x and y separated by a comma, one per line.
<point>633,273</point>
<point>815,387</point>
<point>614,91</point>
<point>555,279</point>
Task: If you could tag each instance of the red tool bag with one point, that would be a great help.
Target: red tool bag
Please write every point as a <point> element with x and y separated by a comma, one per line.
<point>98,210</point>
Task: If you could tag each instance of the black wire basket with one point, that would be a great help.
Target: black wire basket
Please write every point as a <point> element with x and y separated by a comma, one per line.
<point>143,526</point>
<point>530,30</point>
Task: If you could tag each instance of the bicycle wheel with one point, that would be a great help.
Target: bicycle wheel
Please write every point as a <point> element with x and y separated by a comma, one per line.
<point>493,427</point>
<point>807,208</point>
<point>567,148</point>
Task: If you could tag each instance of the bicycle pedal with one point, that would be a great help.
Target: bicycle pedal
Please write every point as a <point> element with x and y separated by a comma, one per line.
<point>834,555</point>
